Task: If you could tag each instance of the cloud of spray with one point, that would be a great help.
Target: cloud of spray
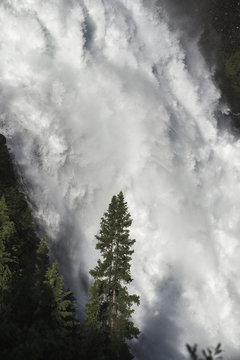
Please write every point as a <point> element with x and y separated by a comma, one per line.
<point>97,96</point>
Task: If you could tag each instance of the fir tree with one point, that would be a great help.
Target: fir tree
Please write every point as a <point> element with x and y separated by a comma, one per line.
<point>63,310</point>
<point>54,302</point>
<point>110,305</point>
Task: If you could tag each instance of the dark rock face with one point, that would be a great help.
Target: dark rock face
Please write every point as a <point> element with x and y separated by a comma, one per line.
<point>224,16</point>
<point>7,175</point>
<point>219,23</point>
<point>2,140</point>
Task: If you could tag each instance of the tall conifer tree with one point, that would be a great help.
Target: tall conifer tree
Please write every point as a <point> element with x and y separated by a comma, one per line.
<point>110,305</point>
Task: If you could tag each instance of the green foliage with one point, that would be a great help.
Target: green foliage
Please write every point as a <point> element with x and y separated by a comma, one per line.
<point>61,302</point>
<point>233,64</point>
<point>232,69</point>
<point>93,343</point>
<point>110,305</point>
<point>37,316</point>
<point>7,255</point>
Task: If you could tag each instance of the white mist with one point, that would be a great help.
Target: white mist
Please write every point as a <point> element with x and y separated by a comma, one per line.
<point>97,97</point>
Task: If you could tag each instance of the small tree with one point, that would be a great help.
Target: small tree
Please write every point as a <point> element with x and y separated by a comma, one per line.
<point>110,305</point>
<point>62,301</point>
<point>55,326</point>
<point>53,302</point>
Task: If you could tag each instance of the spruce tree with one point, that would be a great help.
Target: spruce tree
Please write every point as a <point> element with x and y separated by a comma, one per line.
<point>110,305</point>
<point>62,302</point>
<point>53,302</point>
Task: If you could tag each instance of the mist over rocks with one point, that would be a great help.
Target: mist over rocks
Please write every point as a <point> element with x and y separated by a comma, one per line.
<point>216,25</point>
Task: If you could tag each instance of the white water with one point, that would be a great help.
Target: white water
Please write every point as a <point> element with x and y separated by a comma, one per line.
<point>96,96</point>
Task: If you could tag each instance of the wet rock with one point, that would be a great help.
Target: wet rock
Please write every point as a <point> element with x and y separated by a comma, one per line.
<point>2,140</point>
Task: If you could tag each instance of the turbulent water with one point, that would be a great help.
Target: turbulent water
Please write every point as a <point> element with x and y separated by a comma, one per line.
<point>98,96</point>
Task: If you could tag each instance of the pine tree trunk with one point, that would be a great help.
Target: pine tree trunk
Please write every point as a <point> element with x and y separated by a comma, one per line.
<point>113,308</point>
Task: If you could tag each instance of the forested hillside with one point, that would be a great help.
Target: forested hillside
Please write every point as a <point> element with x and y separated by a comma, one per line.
<point>37,315</point>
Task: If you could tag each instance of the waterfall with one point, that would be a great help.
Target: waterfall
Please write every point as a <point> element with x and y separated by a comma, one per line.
<point>98,96</point>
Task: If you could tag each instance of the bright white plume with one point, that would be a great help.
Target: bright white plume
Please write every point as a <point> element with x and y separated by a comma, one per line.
<point>98,97</point>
